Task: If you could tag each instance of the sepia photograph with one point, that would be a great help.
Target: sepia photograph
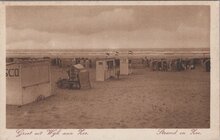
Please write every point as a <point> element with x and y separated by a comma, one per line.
<point>108,66</point>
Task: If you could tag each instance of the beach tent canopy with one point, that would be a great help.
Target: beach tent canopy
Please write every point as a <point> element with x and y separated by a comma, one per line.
<point>84,77</point>
<point>79,67</point>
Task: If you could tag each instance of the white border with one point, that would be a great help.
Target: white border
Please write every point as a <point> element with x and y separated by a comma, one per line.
<point>212,133</point>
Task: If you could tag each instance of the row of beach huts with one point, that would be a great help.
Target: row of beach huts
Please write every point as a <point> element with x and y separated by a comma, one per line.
<point>29,79</point>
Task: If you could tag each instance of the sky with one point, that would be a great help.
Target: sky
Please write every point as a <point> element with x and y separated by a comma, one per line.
<point>91,27</point>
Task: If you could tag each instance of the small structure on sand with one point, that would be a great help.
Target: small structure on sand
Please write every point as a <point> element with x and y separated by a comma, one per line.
<point>78,78</point>
<point>27,81</point>
<point>105,69</point>
<point>125,66</point>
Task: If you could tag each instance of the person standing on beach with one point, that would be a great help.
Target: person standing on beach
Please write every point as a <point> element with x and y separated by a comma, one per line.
<point>118,73</point>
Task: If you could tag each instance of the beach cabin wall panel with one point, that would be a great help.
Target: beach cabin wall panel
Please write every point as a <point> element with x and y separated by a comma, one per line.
<point>84,79</point>
<point>13,85</point>
<point>100,70</point>
<point>35,81</point>
<point>35,73</point>
<point>124,66</point>
<point>31,93</point>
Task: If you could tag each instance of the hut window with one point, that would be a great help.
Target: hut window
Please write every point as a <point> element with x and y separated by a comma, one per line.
<point>100,63</point>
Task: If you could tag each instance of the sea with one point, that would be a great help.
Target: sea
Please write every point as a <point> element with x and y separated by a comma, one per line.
<point>131,52</point>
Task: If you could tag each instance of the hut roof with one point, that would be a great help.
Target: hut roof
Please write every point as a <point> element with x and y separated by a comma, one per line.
<point>79,66</point>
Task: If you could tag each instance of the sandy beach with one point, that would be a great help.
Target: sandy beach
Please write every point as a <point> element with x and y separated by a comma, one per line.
<point>144,99</point>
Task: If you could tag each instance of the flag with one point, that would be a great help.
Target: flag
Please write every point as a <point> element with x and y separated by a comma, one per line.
<point>130,52</point>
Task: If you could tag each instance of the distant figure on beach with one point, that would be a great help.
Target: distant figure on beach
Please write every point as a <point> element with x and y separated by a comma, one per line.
<point>118,73</point>
<point>207,65</point>
<point>192,64</point>
<point>159,65</point>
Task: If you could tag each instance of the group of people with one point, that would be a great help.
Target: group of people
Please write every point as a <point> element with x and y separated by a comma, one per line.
<point>86,62</point>
<point>178,64</point>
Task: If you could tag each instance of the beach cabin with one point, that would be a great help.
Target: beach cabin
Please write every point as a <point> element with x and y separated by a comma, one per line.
<point>27,81</point>
<point>83,75</point>
<point>105,68</point>
<point>125,66</point>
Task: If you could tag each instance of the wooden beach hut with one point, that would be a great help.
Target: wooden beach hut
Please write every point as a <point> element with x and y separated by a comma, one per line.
<point>27,81</point>
<point>83,75</point>
<point>105,68</point>
<point>125,66</point>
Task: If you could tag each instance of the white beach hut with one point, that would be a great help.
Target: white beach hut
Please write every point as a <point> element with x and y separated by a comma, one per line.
<point>105,68</point>
<point>125,66</point>
<point>27,81</point>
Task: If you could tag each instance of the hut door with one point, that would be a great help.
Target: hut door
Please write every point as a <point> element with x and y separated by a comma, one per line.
<point>124,66</point>
<point>100,71</point>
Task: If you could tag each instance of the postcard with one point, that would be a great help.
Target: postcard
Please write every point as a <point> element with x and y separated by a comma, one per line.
<point>110,70</point>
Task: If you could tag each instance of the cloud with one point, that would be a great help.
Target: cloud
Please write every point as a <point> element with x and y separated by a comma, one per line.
<point>142,38</point>
<point>75,20</point>
<point>27,44</point>
<point>193,32</point>
<point>72,27</point>
<point>15,35</point>
<point>116,18</point>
